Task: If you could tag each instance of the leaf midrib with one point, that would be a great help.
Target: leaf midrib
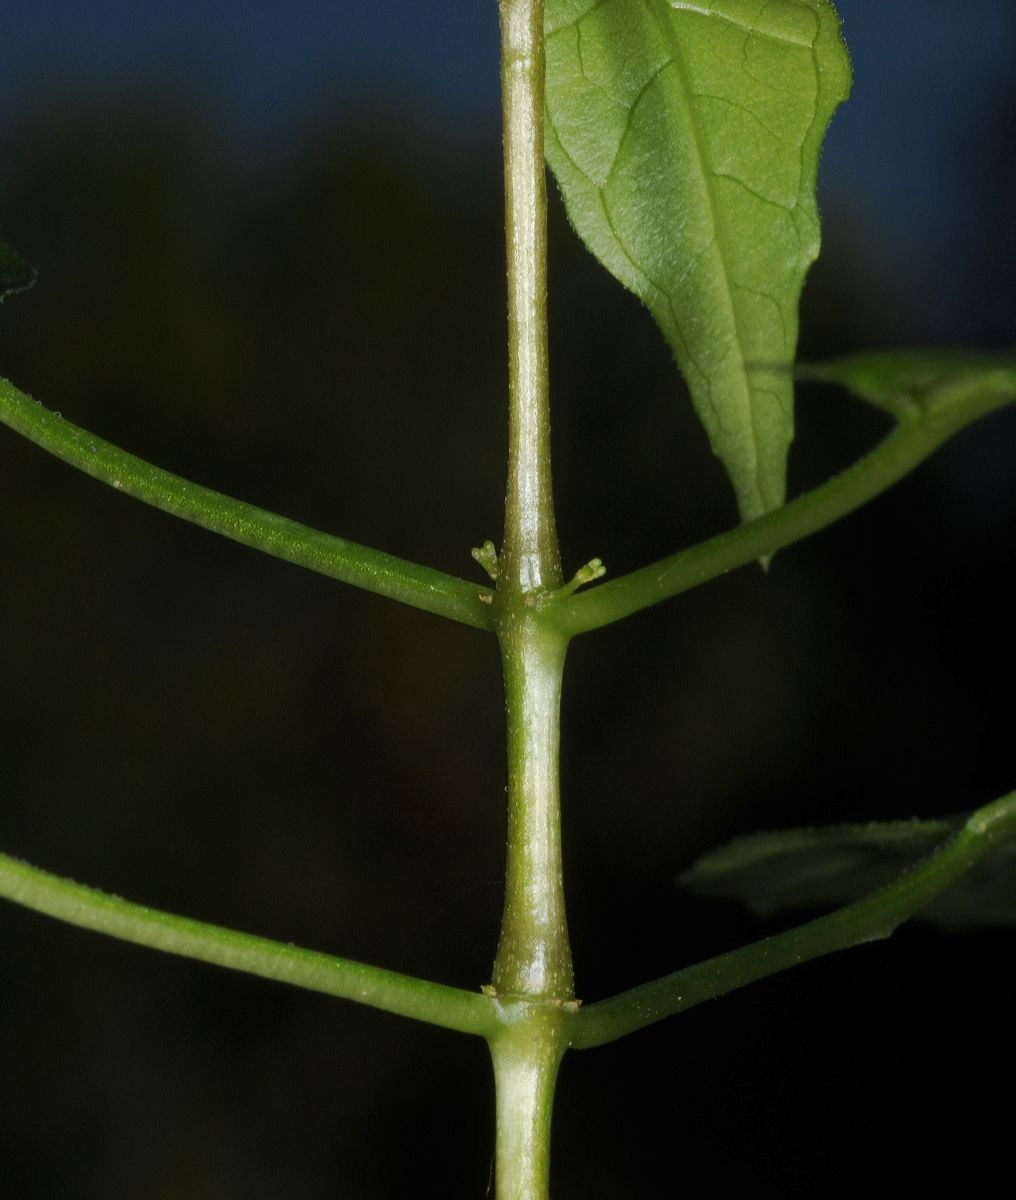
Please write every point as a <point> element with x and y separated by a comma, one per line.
<point>678,59</point>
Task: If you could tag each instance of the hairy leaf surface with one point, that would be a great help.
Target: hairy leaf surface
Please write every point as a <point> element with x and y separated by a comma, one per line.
<point>820,868</point>
<point>685,140</point>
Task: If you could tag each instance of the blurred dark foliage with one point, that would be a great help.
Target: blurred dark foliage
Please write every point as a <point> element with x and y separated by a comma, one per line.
<point>207,730</point>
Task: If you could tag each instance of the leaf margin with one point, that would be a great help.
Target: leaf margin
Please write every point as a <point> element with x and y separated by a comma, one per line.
<point>752,436</point>
<point>16,275</point>
<point>819,867</point>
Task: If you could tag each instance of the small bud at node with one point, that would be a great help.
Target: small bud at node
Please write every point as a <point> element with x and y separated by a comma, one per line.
<point>486,556</point>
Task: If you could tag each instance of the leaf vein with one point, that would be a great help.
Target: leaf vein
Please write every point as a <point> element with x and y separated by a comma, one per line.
<point>748,113</point>
<point>702,10</point>
<point>707,172</point>
<point>575,21</point>
<point>767,200</point>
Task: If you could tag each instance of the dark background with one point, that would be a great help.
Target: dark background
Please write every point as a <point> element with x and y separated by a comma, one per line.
<point>270,258</point>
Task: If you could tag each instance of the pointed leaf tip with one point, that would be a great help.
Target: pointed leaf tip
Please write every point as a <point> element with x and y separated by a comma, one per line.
<point>15,274</point>
<point>685,140</point>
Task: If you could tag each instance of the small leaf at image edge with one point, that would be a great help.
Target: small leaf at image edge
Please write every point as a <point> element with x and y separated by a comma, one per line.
<point>825,867</point>
<point>908,383</point>
<point>15,274</point>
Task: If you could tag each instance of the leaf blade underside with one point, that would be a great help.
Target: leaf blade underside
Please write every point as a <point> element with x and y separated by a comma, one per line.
<point>685,139</point>
<point>822,867</point>
<point>15,274</point>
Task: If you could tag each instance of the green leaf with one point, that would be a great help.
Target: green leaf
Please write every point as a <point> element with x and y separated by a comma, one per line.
<point>685,139</point>
<point>15,274</point>
<point>819,868</point>
<point>913,383</point>
<point>931,884</point>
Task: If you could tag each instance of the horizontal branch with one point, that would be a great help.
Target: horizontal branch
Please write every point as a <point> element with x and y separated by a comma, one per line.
<point>391,991</point>
<point>914,439</point>
<point>373,570</point>
<point>867,920</point>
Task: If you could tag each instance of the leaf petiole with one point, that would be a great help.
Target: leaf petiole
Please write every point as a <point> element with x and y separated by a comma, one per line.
<point>870,919</point>
<point>925,429</point>
<point>452,1008</point>
<point>373,570</point>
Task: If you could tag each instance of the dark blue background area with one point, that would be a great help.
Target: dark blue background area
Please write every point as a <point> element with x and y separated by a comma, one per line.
<point>908,153</point>
<point>262,64</point>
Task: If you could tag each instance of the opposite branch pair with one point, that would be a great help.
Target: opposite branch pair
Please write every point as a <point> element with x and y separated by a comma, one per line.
<point>932,395</point>
<point>487,1015</point>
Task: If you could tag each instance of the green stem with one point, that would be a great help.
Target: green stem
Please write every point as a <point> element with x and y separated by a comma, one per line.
<point>533,970</point>
<point>870,919</point>
<point>534,955</point>
<point>373,570</point>
<point>530,560</point>
<point>434,1003</point>
<point>907,446</point>
<point>526,1060</point>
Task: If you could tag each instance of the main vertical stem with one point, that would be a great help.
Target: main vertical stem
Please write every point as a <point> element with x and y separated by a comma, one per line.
<point>534,954</point>
<point>533,968</point>
<point>530,556</point>
<point>534,958</point>
<point>525,1072</point>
